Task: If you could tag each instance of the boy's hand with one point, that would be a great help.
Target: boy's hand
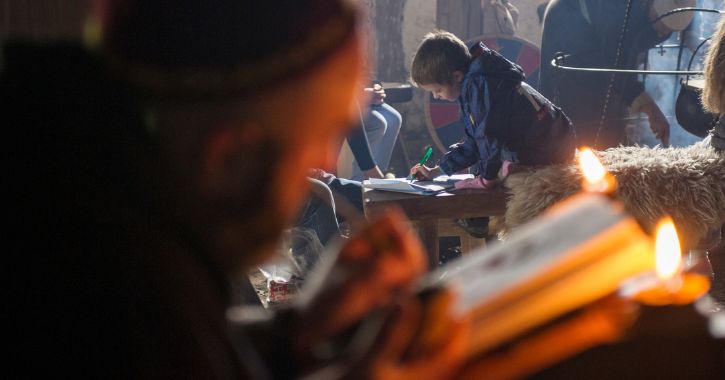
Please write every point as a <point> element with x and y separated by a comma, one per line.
<point>422,172</point>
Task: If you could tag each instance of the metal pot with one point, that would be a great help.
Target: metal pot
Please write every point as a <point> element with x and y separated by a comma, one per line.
<point>689,111</point>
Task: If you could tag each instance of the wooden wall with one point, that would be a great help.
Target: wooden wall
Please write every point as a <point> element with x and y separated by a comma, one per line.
<point>460,17</point>
<point>383,21</point>
<point>464,19</point>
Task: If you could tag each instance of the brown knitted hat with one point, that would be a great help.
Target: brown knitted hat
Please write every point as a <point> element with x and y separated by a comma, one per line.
<point>218,47</point>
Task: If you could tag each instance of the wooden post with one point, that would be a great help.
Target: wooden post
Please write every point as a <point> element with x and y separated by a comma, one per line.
<point>430,241</point>
<point>460,17</point>
<point>388,35</point>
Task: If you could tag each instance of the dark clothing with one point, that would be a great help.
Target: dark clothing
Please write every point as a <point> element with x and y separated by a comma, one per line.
<point>110,287</point>
<point>505,116</point>
<point>318,214</point>
<point>718,134</point>
<point>318,222</point>
<point>590,36</point>
<point>359,143</point>
<point>360,148</point>
<point>350,190</point>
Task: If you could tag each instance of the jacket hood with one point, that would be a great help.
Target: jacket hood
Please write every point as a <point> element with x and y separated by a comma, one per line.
<point>492,64</point>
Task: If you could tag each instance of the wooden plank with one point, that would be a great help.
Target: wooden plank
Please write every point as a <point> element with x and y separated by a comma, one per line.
<point>460,17</point>
<point>430,241</point>
<point>461,204</point>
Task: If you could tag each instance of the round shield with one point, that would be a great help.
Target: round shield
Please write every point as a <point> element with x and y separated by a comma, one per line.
<point>442,116</point>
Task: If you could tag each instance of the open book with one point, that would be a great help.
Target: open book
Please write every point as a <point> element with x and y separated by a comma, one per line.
<point>578,252</point>
<point>403,185</point>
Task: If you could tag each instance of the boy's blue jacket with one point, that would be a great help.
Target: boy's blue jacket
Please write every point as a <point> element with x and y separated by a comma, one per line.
<point>503,114</point>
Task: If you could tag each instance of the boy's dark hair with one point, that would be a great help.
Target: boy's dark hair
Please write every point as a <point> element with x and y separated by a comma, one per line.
<point>438,56</point>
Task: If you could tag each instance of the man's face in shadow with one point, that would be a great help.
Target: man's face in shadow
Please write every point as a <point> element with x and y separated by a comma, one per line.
<point>252,179</point>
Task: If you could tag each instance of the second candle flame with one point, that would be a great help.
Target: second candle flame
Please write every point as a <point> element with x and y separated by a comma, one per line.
<point>668,259</point>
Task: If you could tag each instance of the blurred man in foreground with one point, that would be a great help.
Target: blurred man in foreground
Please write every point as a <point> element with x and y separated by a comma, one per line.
<point>167,160</point>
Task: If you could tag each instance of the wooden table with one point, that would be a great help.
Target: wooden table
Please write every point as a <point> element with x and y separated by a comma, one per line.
<point>428,210</point>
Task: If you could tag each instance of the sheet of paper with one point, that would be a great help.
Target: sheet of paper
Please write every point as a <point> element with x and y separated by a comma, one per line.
<point>453,178</point>
<point>402,185</point>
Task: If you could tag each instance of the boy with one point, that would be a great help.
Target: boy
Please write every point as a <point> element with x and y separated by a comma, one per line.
<point>506,121</point>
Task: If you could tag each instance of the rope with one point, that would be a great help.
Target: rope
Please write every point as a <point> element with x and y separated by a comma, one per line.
<point>612,75</point>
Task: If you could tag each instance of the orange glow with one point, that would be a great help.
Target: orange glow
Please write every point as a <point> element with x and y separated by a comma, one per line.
<point>592,169</point>
<point>668,262</point>
<point>676,287</point>
<point>596,178</point>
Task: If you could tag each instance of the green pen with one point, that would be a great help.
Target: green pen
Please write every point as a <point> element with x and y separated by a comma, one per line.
<point>423,160</point>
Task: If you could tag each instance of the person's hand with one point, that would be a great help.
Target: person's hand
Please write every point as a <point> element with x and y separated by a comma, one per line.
<point>373,276</point>
<point>317,174</point>
<point>657,122</point>
<point>376,94</point>
<point>420,338</point>
<point>420,341</point>
<point>506,167</point>
<point>422,172</point>
<point>372,270</point>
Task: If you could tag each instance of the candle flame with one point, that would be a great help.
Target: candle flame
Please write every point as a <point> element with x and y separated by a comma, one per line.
<point>592,169</point>
<point>668,261</point>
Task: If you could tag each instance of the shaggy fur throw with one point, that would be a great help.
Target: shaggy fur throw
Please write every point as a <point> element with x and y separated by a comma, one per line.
<point>686,183</point>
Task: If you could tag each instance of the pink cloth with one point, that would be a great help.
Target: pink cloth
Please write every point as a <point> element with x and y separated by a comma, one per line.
<point>475,183</point>
<point>504,172</point>
<point>482,183</point>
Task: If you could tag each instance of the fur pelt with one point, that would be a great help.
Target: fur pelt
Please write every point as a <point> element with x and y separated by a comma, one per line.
<point>713,95</point>
<point>686,183</point>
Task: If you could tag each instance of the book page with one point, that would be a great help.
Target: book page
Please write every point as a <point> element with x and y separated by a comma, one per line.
<point>574,254</point>
<point>403,185</point>
<point>535,249</point>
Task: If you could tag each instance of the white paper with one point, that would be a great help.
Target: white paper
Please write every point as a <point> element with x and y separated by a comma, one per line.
<point>403,185</point>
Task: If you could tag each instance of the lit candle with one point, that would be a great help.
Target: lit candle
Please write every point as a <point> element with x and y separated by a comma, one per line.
<point>596,177</point>
<point>670,283</point>
<point>673,285</point>
<point>668,256</point>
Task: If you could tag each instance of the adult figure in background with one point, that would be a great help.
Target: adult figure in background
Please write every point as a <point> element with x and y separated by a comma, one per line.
<point>591,33</point>
<point>165,161</point>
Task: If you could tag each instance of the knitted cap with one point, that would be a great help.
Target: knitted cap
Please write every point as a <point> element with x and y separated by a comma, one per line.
<point>193,47</point>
